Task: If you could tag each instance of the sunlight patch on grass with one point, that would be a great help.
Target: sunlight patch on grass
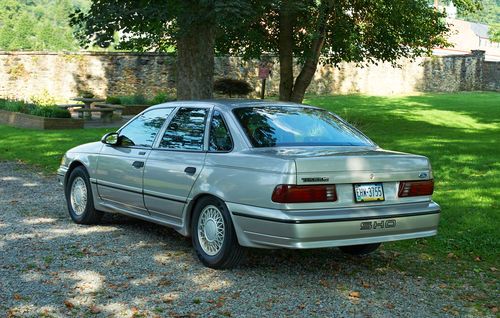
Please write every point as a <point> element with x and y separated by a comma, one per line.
<point>446,118</point>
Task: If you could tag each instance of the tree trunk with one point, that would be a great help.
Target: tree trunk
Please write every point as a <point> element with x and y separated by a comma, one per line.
<point>286,22</point>
<point>195,62</point>
<point>307,73</point>
<point>291,90</point>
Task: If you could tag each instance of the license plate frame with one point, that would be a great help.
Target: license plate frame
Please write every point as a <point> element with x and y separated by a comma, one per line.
<point>374,194</point>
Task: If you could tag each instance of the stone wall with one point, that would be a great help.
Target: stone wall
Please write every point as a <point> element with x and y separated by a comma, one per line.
<point>491,76</point>
<point>24,75</point>
<point>65,75</point>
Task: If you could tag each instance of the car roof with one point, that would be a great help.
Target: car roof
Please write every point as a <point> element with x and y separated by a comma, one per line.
<point>229,104</point>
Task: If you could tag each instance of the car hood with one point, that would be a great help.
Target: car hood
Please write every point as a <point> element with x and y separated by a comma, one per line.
<point>91,147</point>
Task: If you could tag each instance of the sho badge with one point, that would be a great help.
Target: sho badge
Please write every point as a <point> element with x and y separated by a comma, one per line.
<point>374,225</point>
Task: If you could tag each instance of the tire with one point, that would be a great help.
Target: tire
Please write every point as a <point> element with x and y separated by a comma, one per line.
<point>79,198</point>
<point>213,235</point>
<point>358,250</point>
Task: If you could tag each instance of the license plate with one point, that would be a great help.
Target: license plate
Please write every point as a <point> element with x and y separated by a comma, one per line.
<point>368,192</point>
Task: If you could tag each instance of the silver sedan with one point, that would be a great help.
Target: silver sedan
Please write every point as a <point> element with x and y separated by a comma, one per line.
<point>235,174</point>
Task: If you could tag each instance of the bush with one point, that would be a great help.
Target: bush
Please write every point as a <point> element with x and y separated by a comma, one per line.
<point>125,100</point>
<point>159,98</point>
<point>32,109</point>
<point>43,99</point>
<point>49,111</point>
<point>113,100</point>
<point>133,100</point>
<point>229,86</point>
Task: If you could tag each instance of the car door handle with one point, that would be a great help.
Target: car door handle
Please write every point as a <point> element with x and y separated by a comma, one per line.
<point>138,164</point>
<point>190,170</point>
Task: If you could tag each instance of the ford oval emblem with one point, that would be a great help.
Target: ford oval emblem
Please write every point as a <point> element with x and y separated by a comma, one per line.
<point>422,175</point>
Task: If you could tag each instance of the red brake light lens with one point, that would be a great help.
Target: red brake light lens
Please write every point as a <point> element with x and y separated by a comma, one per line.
<point>415,188</point>
<point>285,193</point>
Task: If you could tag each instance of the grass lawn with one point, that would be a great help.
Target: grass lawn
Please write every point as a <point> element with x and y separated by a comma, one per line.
<point>43,148</point>
<point>460,133</point>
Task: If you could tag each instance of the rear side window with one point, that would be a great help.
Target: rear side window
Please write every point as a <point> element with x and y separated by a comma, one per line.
<point>186,130</point>
<point>143,129</point>
<point>219,139</point>
<point>275,126</point>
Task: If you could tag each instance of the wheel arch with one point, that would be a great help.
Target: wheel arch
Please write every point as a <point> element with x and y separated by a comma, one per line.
<point>73,165</point>
<point>190,208</point>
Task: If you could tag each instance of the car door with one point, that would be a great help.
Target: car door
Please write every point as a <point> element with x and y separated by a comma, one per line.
<point>175,163</point>
<point>120,167</point>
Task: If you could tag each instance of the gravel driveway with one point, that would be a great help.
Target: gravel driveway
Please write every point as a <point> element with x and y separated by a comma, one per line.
<point>52,267</point>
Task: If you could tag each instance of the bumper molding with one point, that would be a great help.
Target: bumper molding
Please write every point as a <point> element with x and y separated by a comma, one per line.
<point>336,227</point>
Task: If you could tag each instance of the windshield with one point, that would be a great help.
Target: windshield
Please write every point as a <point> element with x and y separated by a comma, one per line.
<point>275,126</point>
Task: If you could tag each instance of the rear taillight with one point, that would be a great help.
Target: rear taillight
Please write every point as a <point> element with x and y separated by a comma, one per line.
<point>415,188</point>
<point>285,193</point>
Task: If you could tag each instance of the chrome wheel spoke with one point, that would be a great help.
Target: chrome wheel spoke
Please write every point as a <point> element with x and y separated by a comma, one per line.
<point>78,196</point>
<point>211,230</point>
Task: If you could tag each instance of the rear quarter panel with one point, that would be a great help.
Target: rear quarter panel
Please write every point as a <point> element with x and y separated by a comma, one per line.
<point>244,178</point>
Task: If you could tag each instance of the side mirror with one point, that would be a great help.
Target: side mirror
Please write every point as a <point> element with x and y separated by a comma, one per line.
<point>110,138</point>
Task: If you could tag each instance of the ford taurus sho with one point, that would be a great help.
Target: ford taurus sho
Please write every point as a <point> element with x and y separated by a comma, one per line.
<point>234,174</point>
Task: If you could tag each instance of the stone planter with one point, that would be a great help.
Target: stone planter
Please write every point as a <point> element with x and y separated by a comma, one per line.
<point>36,122</point>
<point>133,110</point>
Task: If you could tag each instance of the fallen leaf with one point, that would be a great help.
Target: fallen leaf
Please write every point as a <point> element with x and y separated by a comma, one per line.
<point>477,259</point>
<point>494,309</point>
<point>94,309</point>
<point>302,306</point>
<point>389,306</point>
<point>493,269</point>
<point>366,285</point>
<point>442,286</point>
<point>355,294</point>
<point>451,255</point>
<point>164,282</point>
<point>324,283</point>
<point>169,298</point>
<point>68,304</point>
<point>17,297</point>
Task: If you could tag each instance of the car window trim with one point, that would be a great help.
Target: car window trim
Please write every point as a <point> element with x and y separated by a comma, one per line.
<point>140,114</point>
<point>156,144</point>
<point>228,131</point>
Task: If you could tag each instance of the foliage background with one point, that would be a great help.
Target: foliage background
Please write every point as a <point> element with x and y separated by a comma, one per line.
<point>42,25</point>
<point>39,25</point>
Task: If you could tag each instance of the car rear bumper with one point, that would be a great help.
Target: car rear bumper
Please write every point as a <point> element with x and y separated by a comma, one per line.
<point>270,228</point>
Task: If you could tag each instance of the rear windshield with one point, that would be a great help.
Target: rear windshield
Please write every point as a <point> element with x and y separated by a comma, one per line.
<point>275,126</point>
